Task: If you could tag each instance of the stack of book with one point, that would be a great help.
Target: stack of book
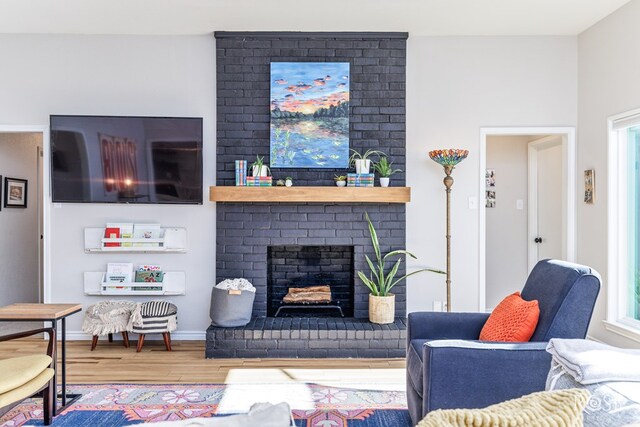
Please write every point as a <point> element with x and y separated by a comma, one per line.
<point>241,172</point>
<point>259,181</point>
<point>360,180</point>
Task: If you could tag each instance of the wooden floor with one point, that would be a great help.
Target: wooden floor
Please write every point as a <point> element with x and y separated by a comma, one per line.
<point>112,363</point>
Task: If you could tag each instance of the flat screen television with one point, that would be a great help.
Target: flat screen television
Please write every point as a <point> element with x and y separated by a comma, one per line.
<point>109,159</point>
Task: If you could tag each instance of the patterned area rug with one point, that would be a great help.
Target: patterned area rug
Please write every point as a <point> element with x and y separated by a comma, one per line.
<point>313,405</point>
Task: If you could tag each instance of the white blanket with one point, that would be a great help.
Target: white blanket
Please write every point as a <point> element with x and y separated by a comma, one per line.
<point>590,362</point>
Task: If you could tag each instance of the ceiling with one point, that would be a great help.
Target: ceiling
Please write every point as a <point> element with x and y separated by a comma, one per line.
<point>418,17</point>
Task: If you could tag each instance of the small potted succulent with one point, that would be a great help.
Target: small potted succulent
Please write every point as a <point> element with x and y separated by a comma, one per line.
<point>288,181</point>
<point>258,168</point>
<point>361,161</point>
<point>341,180</point>
<point>385,170</point>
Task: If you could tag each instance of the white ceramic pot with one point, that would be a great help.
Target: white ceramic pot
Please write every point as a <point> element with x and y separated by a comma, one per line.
<point>288,183</point>
<point>341,183</point>
<point>260,171</point>
<point>362,166</point>
<point>384,181</point>
<point>382,309</point>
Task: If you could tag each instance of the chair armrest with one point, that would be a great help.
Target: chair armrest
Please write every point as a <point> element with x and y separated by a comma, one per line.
<point>51,346</point>
<point>476,374</point>
<point>428,325</point>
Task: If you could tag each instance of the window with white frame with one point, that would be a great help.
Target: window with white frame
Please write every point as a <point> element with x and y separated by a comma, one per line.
<point>623,314</point>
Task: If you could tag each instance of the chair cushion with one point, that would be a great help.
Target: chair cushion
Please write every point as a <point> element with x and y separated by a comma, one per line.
<point>26,390</point>
<point>18,371</point>
<point>561,408</point>
<point>513,320</point>
<point>414,365</point>
<point>158,309</point>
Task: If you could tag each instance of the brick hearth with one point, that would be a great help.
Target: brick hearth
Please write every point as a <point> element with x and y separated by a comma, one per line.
<point>308,337</point>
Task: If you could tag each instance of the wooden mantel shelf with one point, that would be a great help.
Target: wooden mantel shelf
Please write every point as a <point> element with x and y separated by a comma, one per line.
<point>326,194</point>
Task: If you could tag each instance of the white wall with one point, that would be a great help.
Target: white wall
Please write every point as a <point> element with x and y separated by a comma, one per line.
<point>455,86</point>
<point>506,227</point>
<point>102,75</point>
<point>19,227</point>
<point>608,84</point>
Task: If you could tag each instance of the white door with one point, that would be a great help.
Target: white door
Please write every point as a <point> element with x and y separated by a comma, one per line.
<point>546,187</point>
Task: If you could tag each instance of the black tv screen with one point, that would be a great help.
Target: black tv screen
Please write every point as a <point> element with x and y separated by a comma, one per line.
<point>108,159</point>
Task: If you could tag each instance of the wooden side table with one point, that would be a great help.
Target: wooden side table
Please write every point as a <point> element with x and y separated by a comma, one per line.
<point>25,312</point>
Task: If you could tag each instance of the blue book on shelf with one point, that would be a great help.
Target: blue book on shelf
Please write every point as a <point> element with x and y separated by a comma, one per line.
<point>241,172</point>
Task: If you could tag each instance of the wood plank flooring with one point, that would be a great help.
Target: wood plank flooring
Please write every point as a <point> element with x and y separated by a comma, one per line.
<point>112,363</point>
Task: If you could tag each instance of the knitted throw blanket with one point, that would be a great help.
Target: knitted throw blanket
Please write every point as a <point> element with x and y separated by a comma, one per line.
<point>561,408</point>
<point>110,317</point>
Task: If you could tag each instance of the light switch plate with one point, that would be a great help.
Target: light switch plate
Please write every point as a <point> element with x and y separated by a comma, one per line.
<point>473,202</point>
<point>520,204</point>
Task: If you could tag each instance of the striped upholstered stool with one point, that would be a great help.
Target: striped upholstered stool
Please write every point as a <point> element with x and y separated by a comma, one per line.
<point>158,317</point>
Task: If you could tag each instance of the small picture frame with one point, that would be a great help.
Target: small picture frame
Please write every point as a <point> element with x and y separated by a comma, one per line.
<point>15,193</point>
<point>490,178</point>
<point>589,186</point>
<point>491,199</point>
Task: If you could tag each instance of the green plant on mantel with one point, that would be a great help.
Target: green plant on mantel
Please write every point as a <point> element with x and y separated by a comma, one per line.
<point>384,167</point>
<point>258,164</point>
<point>381,279</point>
<point>340,178</point>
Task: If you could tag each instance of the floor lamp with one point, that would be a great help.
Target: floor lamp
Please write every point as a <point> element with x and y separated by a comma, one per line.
<point>448,158</point>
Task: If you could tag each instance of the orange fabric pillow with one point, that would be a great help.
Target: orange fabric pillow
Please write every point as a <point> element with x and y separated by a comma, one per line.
<point>513,320</point>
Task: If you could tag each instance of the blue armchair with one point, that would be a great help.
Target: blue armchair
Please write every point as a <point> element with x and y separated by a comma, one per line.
<point>447,367</point>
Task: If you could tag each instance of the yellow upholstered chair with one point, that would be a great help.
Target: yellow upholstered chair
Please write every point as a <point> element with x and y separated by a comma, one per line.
<point>22,377</point>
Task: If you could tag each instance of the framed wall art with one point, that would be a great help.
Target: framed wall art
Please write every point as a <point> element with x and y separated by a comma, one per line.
<point>15,193</point>
<point>309,115</point>
<point>589,186</point>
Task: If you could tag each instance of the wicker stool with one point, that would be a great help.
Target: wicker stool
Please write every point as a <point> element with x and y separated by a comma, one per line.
<point>108,318</point>
<point>158,317</point>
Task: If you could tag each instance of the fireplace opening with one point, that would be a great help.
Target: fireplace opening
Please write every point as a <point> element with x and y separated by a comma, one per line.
<point>310,281</point>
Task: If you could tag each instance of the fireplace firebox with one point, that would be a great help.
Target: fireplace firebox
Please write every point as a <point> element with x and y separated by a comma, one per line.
<point>310,281</point>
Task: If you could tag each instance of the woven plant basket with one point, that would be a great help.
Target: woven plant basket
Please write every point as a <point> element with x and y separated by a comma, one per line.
<point>382,309</point>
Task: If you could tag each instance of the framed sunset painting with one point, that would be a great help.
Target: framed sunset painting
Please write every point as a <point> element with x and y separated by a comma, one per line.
<point>309,115</point>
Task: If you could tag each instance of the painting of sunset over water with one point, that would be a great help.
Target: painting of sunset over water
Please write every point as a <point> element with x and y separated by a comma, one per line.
<point>310,115</point>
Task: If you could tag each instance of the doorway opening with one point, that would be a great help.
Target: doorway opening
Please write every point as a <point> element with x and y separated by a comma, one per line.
<point>23,217</point>
<point>527,213</point>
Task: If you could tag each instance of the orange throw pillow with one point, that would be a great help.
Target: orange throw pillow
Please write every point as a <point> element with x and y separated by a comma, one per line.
<point>513,320</point>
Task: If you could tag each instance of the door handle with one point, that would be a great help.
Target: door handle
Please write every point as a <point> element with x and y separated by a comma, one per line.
<point>538,240</point>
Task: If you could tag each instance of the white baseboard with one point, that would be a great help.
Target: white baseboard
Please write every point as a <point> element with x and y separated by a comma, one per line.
<point>175,336</point>
<point>591,338</point>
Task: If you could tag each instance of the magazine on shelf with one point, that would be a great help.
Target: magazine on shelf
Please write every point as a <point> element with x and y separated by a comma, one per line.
<point>111,233</point>
<point>119,272</point>
<point>149,276</point>
<point>125,232</point>
<point>147,231</point>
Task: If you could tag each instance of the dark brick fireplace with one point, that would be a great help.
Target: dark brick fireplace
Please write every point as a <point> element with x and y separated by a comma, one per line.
<point>248,232</point>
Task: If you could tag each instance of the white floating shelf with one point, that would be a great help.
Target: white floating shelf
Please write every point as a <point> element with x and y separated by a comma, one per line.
<point>173,240</point>
<point>174,283</point>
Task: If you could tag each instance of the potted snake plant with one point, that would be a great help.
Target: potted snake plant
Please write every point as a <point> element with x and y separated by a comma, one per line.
<point>381,279</point>
<point>385,170</point>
